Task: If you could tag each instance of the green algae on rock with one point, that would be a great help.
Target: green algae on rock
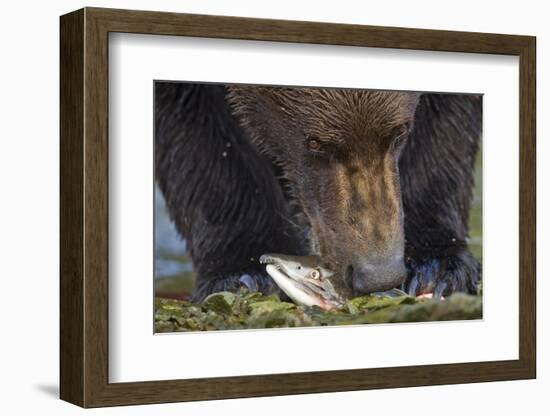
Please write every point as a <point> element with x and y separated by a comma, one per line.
<point>220,302</point>
<point>245,310</point>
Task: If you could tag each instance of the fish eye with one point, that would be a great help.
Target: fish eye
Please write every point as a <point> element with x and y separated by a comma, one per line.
<point>315,274</point>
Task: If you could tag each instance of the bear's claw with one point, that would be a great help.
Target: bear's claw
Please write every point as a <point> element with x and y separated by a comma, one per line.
<point>442,276</point>
<point>249,282</point>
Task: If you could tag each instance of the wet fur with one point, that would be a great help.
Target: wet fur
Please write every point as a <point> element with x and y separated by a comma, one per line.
<point>220,192</point>
<point>223,158</point>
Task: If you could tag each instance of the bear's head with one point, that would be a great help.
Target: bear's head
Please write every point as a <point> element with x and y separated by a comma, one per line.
<point>339,151</point>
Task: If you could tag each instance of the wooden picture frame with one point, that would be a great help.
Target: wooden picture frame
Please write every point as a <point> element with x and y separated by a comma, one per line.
<point>84,207</point>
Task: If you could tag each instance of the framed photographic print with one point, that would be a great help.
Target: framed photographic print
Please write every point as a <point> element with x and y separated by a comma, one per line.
<point>257,207</point>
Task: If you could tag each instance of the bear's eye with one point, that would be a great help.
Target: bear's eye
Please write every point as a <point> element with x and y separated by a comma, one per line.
<point>398,137</point>
<point>314,144</point>
<point>401,130</point>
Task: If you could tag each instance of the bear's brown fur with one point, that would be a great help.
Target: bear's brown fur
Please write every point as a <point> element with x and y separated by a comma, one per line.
<point>378,182</point>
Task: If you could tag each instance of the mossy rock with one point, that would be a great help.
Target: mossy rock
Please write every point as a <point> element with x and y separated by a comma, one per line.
<point>221,302</point>
<point>243,310</point>
<point>369,303</point>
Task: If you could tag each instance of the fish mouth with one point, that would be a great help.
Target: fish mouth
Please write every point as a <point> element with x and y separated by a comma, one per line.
<point>297,285</point>
<point>269,259</point>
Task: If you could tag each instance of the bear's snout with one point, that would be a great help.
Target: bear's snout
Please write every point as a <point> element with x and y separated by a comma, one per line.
<point>364,277</point>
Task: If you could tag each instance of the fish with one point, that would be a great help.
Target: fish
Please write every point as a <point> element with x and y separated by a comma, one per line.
<point>304,279</point>
<point>307,281</point>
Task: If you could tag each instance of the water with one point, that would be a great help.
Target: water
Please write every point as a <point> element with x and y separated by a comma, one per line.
<point>174,272</point>
<point>476,218</point>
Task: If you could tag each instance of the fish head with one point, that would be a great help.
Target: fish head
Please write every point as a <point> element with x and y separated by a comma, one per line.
<point>306,280</point>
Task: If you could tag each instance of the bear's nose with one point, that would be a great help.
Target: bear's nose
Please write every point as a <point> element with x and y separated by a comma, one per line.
<point>364,276</point>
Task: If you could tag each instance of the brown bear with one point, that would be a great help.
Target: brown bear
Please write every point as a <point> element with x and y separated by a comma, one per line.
<point>378,183</point>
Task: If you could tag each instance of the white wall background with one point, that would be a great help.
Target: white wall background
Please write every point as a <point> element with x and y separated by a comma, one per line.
<point>29,160</point>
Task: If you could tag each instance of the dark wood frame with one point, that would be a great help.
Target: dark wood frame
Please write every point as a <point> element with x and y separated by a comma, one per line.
<point>84,209</point>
